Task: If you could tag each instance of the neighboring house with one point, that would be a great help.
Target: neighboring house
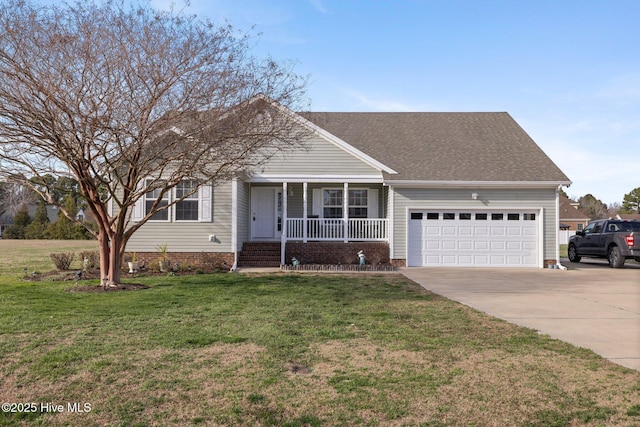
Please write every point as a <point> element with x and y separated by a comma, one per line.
<point>414,189</point>
<point>6,220</point>
<point>629,216</point>
<point>570,217</point>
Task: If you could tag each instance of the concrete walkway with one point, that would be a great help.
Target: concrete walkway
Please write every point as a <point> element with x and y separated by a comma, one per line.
<point>590,305</point>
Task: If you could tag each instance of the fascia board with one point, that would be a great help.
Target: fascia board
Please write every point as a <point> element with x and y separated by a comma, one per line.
<point>475,184</point>
<point>296,178</point>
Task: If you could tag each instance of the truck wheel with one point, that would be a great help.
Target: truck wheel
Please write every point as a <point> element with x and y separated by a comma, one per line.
<point>615,259</point>
<point>573,255</point>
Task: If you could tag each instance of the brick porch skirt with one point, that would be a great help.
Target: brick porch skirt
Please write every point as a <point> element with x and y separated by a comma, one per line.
<point>204,260</point>
<point>337,252</point>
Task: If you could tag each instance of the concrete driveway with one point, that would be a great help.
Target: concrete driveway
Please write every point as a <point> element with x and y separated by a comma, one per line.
<point>589,305</point>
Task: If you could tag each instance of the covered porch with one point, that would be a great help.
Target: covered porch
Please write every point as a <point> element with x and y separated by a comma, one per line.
<point>316,211</point>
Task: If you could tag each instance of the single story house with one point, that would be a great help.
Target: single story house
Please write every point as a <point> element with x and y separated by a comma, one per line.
<point>410,189</point>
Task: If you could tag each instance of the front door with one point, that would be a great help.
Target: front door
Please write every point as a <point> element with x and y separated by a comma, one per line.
<point>266,213</point>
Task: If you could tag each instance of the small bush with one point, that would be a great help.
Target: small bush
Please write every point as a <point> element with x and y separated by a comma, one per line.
<point>62,260</point>
<point>92,257</point>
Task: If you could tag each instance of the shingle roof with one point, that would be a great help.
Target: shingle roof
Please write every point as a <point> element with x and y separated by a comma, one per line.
<point>444,146</point>
<point>569,212</point>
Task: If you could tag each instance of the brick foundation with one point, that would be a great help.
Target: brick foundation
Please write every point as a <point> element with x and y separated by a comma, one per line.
<point>196,260</point>
<point>337,252</point>
<point>399,262</point>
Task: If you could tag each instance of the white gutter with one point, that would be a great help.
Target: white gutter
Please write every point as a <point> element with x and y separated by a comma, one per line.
<point>469,184</point>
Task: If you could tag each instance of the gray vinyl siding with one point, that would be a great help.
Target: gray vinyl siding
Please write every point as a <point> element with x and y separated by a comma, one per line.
<point>405,198</point>
<point>322,157</point>
<point>190,236</point>
<point>295,203</point>
<point>296,206</point>
<point>244,202</point>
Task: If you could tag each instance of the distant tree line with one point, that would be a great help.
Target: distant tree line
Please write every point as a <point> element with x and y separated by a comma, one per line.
<point>595,208</point>
<point>14,204</point>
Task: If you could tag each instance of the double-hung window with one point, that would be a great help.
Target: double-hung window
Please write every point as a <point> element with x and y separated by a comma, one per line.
<point>189,203</point>
<point>358,204</point>
<point>329,203</point>
<point>149,200</point>
<point>332,203</point>
<point>187,209</point>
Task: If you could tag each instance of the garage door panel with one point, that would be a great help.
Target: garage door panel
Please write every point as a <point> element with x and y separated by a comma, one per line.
<point>465,245</point>
<point>433,231</point>
<point>514,231</point>
<point>481,231</point>
<point>465,231</point>
<point>497,259</point>
<point>449,231</point>
<point>514,260</point>
<point>449,244</point>
<point>514,246</point>
<point>481,260</point>
<point>481,245</point>
<point>497,231</point>
<point>498,245</point>
<point>448,259</point>
<point>490,240</point>
<point>465,260</point>
<point>432,244</point>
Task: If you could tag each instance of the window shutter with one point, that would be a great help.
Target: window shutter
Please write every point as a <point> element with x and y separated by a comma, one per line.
<point>317,202</point>
<point>372,202</point>
<point>138,208</point>
<point>205,203</point>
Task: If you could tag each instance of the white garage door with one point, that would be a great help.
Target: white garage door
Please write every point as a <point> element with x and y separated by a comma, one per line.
<point>465,238</point>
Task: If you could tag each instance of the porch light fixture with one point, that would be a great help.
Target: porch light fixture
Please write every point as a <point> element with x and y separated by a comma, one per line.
<point>290,192</point>
<point>474,196</point>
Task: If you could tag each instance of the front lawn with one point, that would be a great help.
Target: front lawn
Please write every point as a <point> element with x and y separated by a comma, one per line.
<point>290,350</point>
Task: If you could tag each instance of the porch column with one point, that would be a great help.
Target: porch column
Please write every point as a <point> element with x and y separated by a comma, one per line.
<point>304,212</point>
<point>345,211</point>
<point>283,241</point>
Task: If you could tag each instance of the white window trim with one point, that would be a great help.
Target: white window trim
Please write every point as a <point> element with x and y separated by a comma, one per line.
<point>144,204</point>
<point>204,197</point>
<point>194,197</point>
<point>372,201</point>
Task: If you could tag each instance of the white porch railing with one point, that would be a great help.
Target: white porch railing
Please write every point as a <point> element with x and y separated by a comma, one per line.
<point>367,229</point>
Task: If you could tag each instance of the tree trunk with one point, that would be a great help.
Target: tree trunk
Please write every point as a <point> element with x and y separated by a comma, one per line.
<point>103,245</point>
<point>111,255</point>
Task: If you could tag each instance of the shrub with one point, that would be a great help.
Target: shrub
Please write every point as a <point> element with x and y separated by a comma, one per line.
<point>92,257</point>
<point>62,260</point>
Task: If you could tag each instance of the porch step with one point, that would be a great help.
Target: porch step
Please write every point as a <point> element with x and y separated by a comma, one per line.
<point>259,254</point>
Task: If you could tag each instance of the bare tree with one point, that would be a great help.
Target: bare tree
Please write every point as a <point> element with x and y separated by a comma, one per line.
<point>13,197</point>
<point>128,100</point>
<point>592,207</point>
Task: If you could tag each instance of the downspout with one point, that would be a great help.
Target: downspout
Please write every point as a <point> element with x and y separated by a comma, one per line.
<point>390,224</point>
<point>283,242</point>
<point>558,264</point>
<point>234,222</point>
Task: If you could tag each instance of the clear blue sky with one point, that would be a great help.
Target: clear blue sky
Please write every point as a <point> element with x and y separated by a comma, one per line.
<point>568,71</point>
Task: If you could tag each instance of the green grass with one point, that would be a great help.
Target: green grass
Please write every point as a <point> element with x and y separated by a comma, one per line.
<point>290,350</point>
<point>563,251</point>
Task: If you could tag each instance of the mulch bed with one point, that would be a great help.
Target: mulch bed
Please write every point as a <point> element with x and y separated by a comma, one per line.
<point>115,288</point>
